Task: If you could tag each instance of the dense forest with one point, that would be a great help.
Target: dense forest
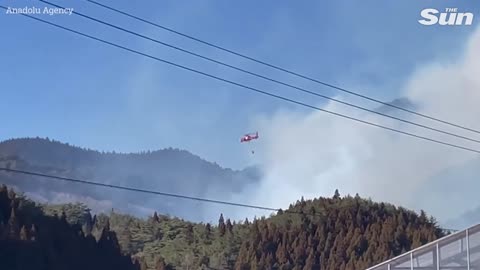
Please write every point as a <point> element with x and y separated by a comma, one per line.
<point>29,239</point>
<point>325,233</point>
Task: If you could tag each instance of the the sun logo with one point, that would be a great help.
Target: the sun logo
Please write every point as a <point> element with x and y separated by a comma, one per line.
<point>451,16</point>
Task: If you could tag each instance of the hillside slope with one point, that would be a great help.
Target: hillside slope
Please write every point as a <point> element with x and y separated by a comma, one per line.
<point>333,233</point>
<point>169,170</point>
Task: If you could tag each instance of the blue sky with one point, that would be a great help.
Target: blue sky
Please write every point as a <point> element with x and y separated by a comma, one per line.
<point>75,90</point>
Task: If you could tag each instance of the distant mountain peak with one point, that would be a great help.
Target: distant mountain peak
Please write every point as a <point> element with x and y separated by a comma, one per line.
<point>402,102</point>
<point>25,146</point>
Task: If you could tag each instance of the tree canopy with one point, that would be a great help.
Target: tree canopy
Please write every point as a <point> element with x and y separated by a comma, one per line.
<point>324,233</point>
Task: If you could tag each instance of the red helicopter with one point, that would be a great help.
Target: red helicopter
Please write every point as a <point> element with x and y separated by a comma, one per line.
<point>249,137</point>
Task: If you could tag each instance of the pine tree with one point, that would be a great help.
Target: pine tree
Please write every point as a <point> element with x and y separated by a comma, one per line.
<point>155,217</point>
<point>33,233</point>
<point>208,230</point>
<point>13,226</point>
<point>229,226</point>
<point>281,254</point>
<point>423,217</point>
<point>221,225</point>
<point>23,233</point>
<point>336,195</point>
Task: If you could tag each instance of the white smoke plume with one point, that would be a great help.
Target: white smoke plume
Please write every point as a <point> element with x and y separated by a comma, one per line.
<point>312,154</point>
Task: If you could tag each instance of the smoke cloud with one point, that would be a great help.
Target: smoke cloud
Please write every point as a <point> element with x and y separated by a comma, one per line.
<point>313,154</point>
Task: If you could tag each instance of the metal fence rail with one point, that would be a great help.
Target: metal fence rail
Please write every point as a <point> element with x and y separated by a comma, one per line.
<point>460,250</point>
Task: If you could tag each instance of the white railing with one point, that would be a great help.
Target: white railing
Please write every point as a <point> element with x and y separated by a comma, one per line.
<point>440,254</point>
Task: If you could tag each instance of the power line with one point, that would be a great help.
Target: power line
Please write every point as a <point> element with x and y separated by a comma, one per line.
<point>250,88</point>
<point>165,194</point>
<point>159,193</point>
<point>281,69</point>
<point>264,77</point>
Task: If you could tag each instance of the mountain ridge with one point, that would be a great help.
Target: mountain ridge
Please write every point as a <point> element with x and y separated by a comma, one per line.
<point>25,142</point>
<point>170,170</point>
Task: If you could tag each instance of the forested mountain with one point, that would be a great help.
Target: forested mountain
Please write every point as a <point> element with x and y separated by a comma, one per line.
<point>29,239</point>
<point>169,170</point>
<point>325,233</point>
